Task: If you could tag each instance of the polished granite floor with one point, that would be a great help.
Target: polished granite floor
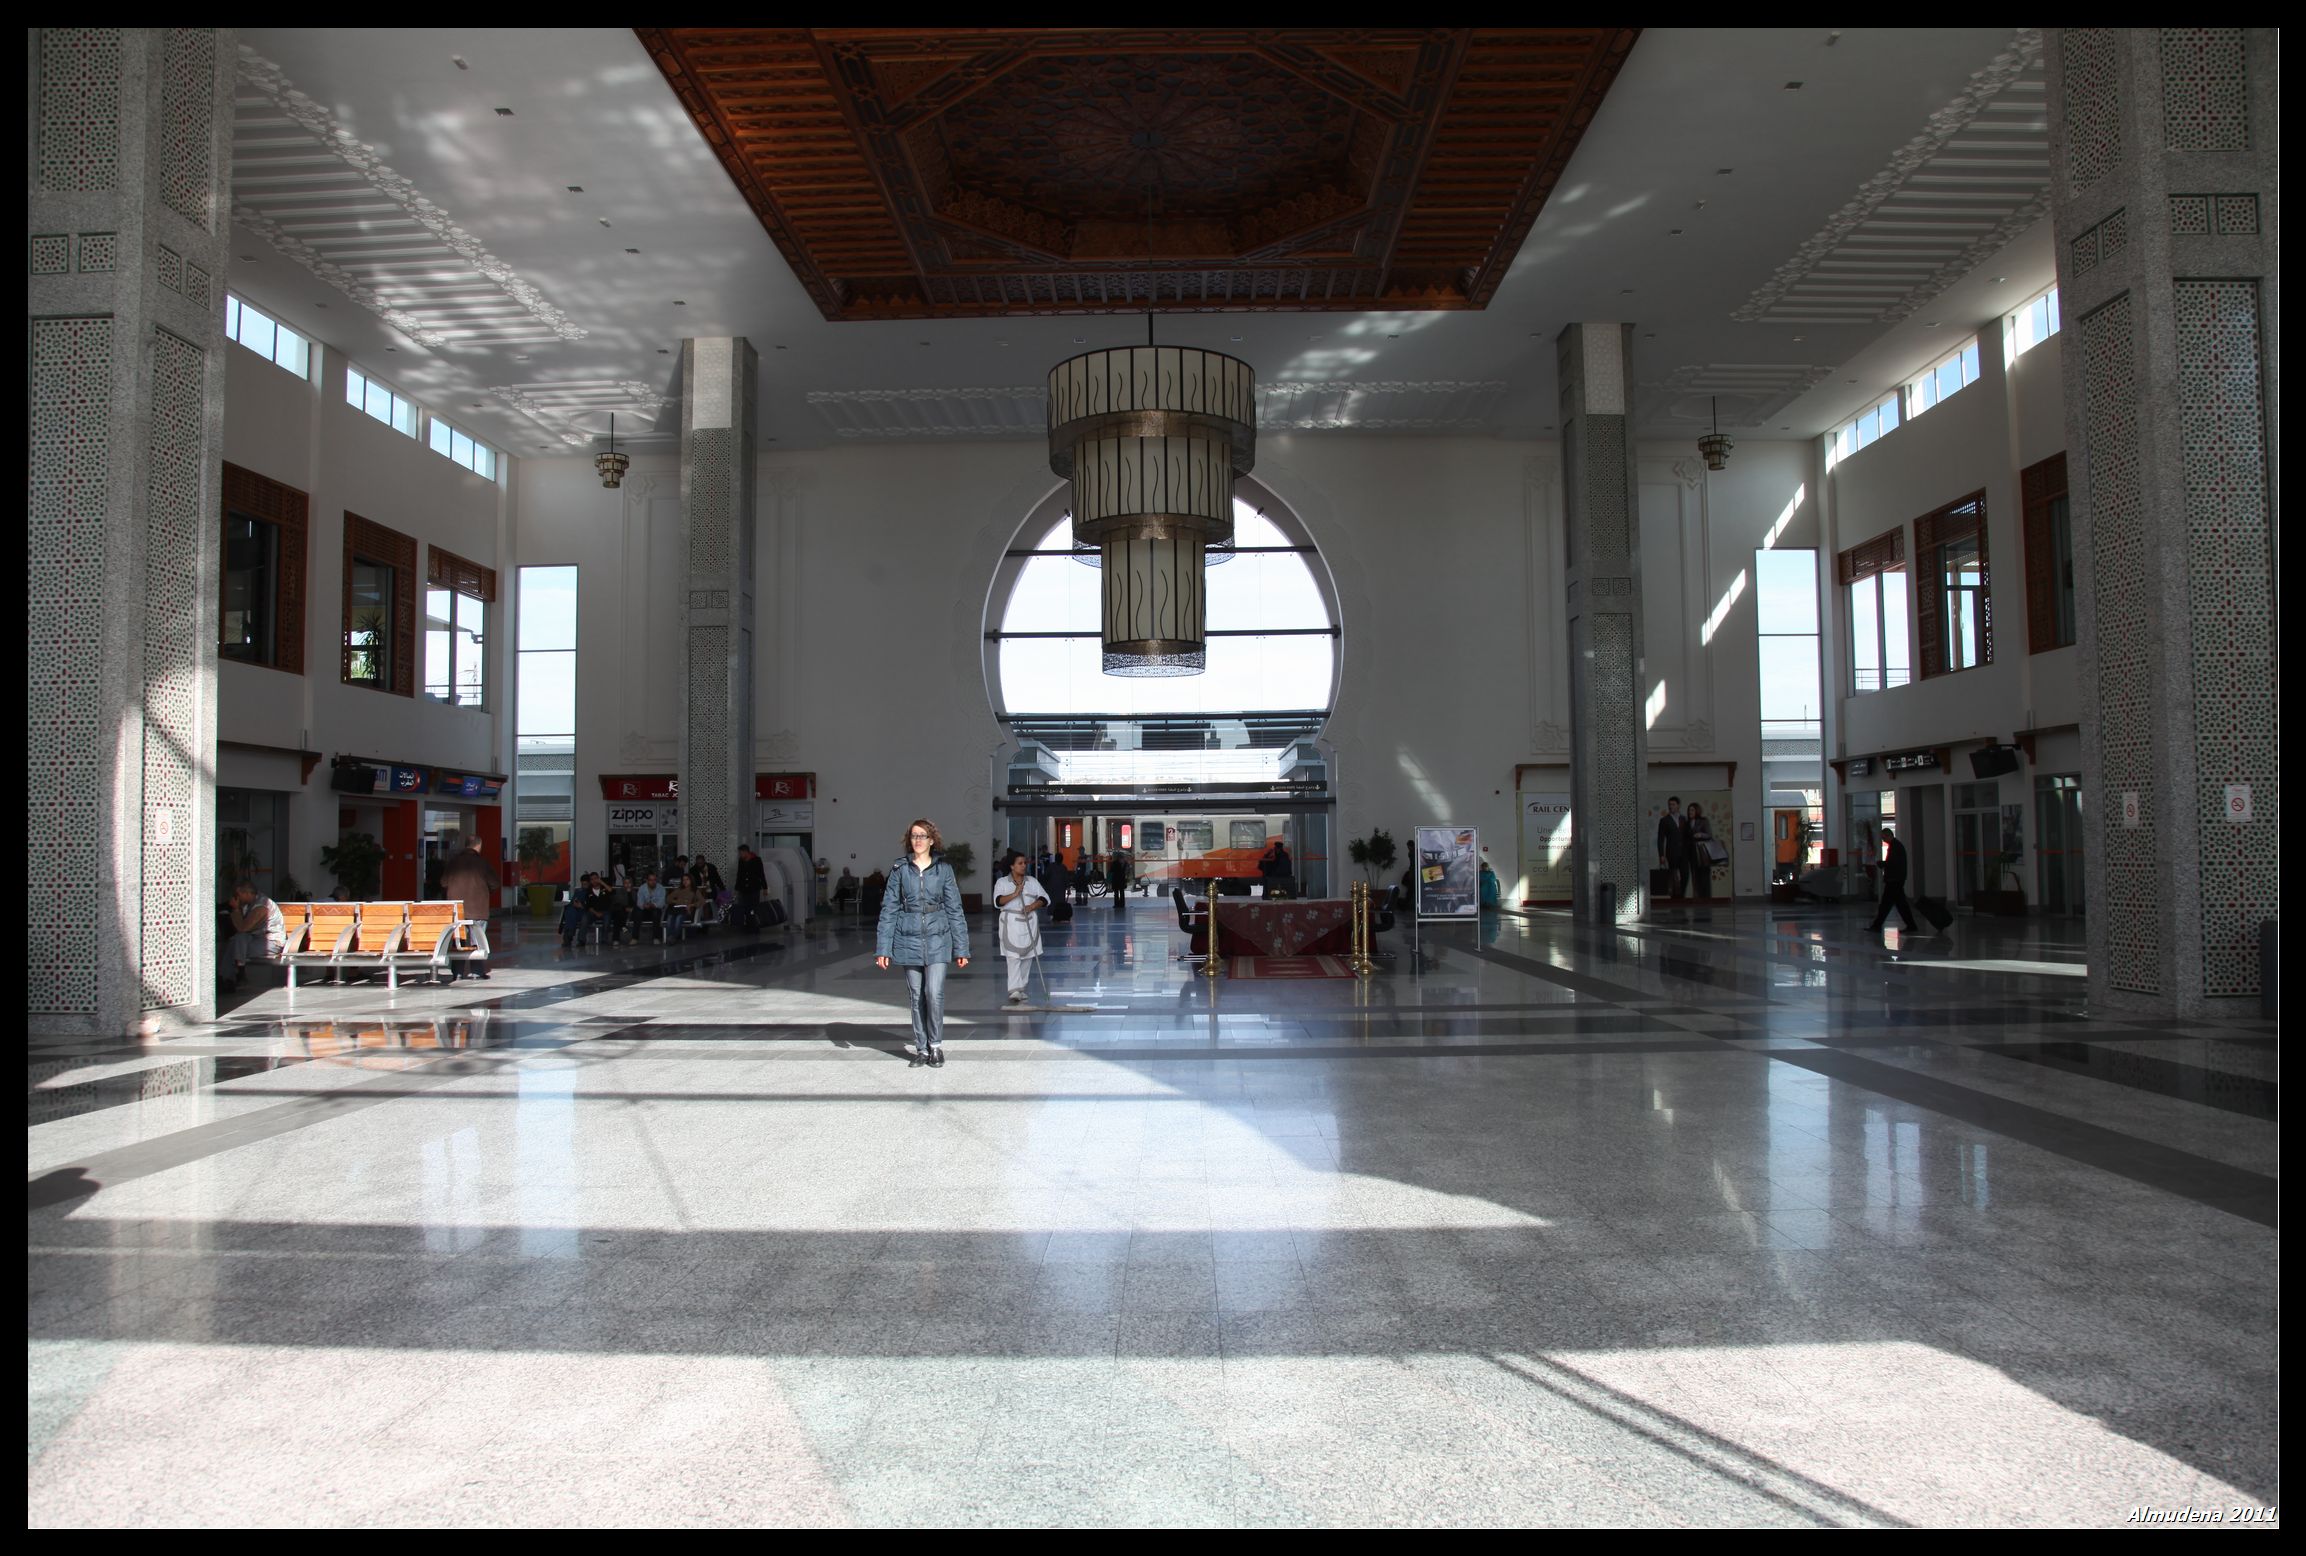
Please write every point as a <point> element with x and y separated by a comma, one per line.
<point>1745,1218</point>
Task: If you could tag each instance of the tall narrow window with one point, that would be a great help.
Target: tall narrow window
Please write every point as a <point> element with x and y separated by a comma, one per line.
<point>544,719</point>
<point>456,599</point>
<point>266,532</point>
<point>1955,609</point>
<point>1792,695</point>
<point>2049,556</point>
<point>250,628</point>
<point>1873,577</point>
<point>379,607</point>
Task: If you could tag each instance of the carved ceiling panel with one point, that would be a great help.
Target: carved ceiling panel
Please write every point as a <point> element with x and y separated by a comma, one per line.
<point>987,171</point>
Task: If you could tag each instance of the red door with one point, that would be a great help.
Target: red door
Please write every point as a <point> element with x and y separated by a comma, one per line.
<point>403,851</point>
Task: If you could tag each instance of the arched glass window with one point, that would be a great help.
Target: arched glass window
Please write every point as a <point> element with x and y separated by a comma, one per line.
<point>1272,642</point>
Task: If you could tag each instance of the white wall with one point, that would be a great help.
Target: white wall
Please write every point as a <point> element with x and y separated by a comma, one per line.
<point>876,564</point>
<point>1980,439</point>
<point>304,434</point>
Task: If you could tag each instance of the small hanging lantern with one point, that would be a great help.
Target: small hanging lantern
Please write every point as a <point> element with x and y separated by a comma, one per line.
<point>612,465</point>
<point>1713,445</point>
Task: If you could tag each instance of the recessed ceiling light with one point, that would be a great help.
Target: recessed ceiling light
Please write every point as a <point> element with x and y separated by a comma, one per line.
<point>520,359</point>
<point>632,251</point>
<point>1392,335</point>
<point>1798,339</point>
<point>1785,429</point>
<point>780,348</point>
<point>1849,380</point>
<point>1651,335</point>
<point>680,302</point>
<point>474,406</point>
<point>1723,172</point>
<point>997,343</point>
<point>924,343</point>
<point>666,351</point>
<point>458,61</point>
<point>1080,340</point>
<point>320,305</point>
<point>1793,86</point>
<point>392,348</point>
<point>1625,291</point>
<point>251,258</point>
<point>605,222</point>
<point>1933,324</point>
<point>576,189</point>
<point>504,113</point>
<point>1235,339</point>
<point>1998,280</point>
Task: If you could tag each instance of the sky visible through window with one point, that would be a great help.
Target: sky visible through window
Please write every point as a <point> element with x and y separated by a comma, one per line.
<point>1244,675</point>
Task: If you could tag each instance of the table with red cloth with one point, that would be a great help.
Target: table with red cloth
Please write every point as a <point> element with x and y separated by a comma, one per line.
<point>1248,926</point>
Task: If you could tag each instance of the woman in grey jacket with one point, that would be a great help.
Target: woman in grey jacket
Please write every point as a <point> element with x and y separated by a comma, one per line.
<point>921,925</point>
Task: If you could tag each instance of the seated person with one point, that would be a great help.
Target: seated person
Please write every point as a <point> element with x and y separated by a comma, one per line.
<point>648,904</point>
<point>845,889</point>
<point>680,907</point>
<point>259,932</point>
<point>620,908</point>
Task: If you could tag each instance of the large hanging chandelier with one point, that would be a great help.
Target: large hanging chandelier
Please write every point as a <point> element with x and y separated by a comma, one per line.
<point>1151,438</point>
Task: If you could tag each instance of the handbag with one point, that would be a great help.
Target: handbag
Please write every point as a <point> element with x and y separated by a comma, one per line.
<point>1715,853</point>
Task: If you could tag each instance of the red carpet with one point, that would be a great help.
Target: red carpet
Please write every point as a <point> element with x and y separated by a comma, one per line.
<point>1288,967</point>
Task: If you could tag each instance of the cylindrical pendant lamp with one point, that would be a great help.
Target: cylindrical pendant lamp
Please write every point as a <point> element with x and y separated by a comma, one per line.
<point>1151,438</point>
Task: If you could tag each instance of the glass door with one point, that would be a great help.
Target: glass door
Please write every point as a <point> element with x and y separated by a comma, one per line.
<point>2058,868</point>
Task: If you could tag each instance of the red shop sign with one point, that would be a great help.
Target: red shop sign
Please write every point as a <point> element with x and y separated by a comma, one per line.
<point>652,786</point>
<point>785,786</point>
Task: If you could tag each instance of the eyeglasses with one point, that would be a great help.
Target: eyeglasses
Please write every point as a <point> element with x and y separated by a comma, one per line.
<point>921,837</point>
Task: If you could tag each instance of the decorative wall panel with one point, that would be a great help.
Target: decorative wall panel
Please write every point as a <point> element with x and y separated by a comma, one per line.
<point>1609,506</point>
<point>363,537</point>
<point>67,744</point>
<point>2093,105</point>
<point>51,254</point>
<point>1607,692</point>
<point>2126,639</point>
<point>711,479</point>
<point>2229,565</point>
<point>707,812</point>
<point>174,828</point>
<point>99,251</point>
<point>289,510</point>
<point>187,143</point>
<point>80,107</point>
<point>2205,89</point>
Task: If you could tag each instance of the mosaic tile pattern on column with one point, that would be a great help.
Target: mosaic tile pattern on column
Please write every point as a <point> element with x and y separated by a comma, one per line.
<point>2222,431</point>
<point>2205,89</point>
<point>65,740</point>
<point>2093,104</point>
<point>172,676</point>
<point>80,107</point>
<point>2126,691</point>
<point>187,134</point>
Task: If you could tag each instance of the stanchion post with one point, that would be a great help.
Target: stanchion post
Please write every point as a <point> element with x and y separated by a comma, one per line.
<point>1209,962</point>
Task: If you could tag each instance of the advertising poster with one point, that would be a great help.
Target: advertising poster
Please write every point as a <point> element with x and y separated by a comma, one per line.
<point>1448,873</point>
<point>1545,835</point>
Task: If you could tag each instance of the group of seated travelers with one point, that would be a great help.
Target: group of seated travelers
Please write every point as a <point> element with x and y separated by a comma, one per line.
<point>689,896</point>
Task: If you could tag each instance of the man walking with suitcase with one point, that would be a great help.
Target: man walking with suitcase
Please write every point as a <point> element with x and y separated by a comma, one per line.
<point>1893,885</point>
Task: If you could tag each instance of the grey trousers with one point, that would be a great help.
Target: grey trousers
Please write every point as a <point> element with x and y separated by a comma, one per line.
<point>926,985</point>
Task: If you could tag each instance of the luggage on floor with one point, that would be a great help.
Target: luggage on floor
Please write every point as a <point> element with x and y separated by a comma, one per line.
<point>1661,883</point>
<point>1060,911</point>
<point>1935,911</point>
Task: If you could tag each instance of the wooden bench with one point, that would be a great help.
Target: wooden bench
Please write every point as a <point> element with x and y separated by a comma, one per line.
<point>329,931</point>
<point>427,938</point>
<point>348,937</point>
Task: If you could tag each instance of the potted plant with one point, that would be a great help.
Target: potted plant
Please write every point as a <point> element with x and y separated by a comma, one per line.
<point>537,852</point>
<point>1372,855</point>
<point>963,858</point>
<point>357,862</point>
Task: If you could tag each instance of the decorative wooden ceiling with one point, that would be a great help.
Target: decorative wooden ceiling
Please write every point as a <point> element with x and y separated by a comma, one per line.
<point>981,171</point>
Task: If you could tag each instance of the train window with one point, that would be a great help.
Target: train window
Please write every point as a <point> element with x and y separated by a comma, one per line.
<point>1195,837</point>
<point>1250,834</point>
<point>1152,837</point>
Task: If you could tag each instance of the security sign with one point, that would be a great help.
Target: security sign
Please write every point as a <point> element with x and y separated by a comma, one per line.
<point>2238,803</point>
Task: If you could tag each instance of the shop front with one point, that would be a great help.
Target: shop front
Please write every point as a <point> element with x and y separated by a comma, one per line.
<point>420,817</point>
<point>643,819</point>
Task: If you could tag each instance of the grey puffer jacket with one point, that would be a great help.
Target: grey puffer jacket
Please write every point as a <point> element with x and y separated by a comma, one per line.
<point>921,917</point>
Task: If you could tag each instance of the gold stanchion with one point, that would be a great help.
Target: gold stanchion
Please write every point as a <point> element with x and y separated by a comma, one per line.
<point>1209,962</point>
<point>1362,962</point>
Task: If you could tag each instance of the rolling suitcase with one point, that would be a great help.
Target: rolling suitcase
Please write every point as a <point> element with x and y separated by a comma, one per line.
<point>1060,911</point>
<point>1935,911</point>
<point>1660,883</point>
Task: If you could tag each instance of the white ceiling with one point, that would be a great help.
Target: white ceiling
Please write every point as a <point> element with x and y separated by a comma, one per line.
<point>1864,220</point>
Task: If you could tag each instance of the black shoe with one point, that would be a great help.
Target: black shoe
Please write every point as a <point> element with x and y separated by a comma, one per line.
<point>937,1057</point>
